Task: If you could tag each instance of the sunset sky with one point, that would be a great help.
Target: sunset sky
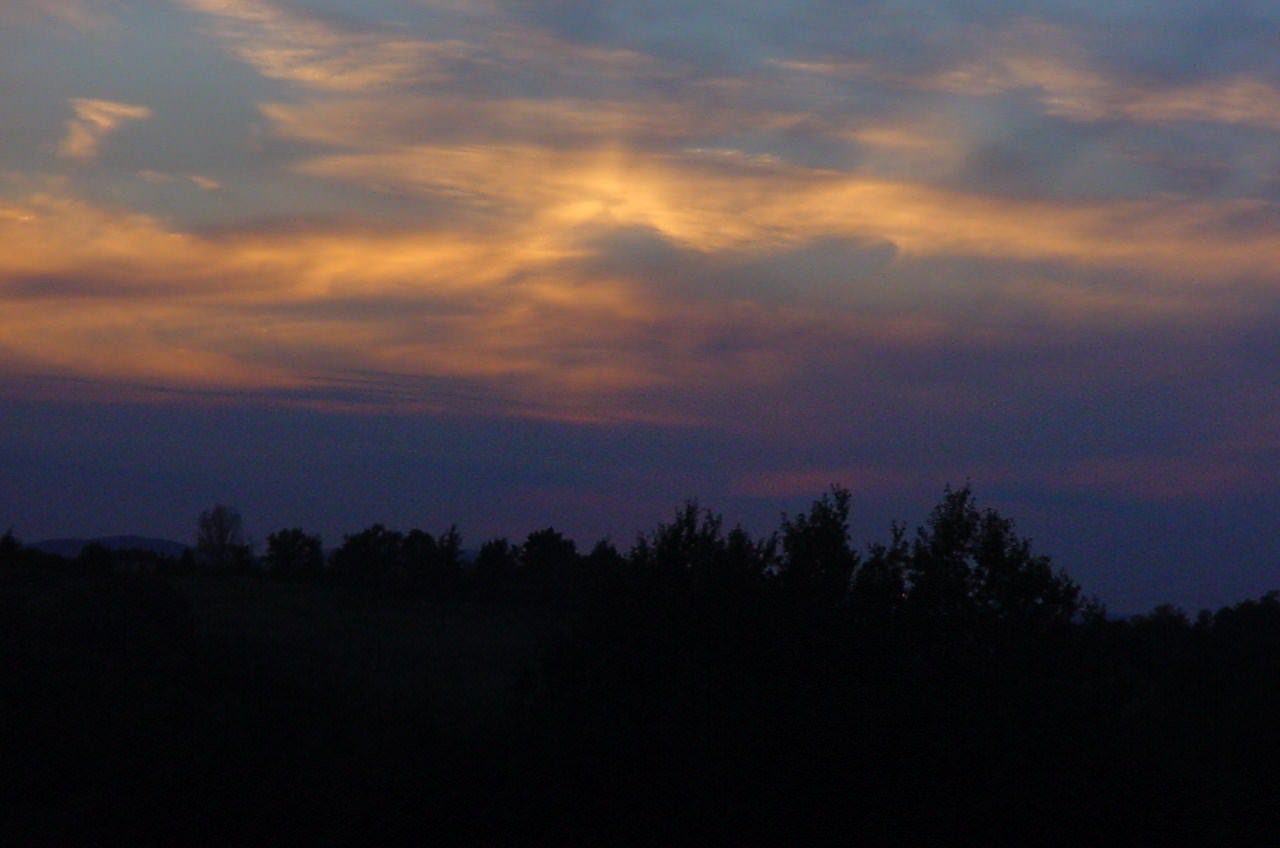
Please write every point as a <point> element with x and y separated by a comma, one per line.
<point>512,263</point>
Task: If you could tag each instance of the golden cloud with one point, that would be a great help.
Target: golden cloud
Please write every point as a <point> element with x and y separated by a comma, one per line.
<point>94,120</point>
<point>1081,94</point>
<point>1241,99</point>
<point>97,293</point>
<point>282,42</point>
<point>393,121</point>
<point>1039,57</point>
<point>508,286</point>
<point>163,178</point>
<point>102,294</point>
<point>79,15</point>
<point>765,206</point>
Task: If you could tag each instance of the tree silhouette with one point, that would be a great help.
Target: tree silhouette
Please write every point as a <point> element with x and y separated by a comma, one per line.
<point>369,555</point>
<point>816,552</point>
<point>220,538</point>
<point>97,557</point>
<point>293,553</point>
<point>969,564</point>
<point>447,571</point>
<point>693,550</point>
<point>433,562</point>
<point>495,564</point>
<point>548,563</point>
<point>879,584</point>
<point>9,548</point>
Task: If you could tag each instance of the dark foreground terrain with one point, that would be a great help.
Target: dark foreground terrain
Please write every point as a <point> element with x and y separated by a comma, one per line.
<point>231,710</point>
<point>701,687</point>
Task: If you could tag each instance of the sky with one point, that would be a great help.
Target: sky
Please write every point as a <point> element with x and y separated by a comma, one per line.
<point>522,263</point>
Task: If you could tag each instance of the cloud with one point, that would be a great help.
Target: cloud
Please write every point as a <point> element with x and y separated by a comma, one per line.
<point>770,205</point>
<point>908,257</point>
<point>1243,100</point>
<point>94,121</point>
<point>162,178</point>
<point>1052,63</point>
<point>80,16</point>
<point>286,43</point>
<point>808,482</point>
<point>611,248</point>
<point>580,318</point>
<point>1177,478</point>
<point>646,122</point>
<point>104,294</point>
<point>759,247</point>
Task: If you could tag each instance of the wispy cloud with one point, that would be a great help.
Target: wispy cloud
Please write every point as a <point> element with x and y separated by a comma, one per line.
<point>163,178</point>
<point>568,211</point>
<point>554,309</point>
<point>286,43</point>
<point>756,206</point>
<point>1244,100</point>
<point>77,15</point>
<point>559,122</point>
<point>251,310</point>
<point>1050,63</point>
<point>94,121</point>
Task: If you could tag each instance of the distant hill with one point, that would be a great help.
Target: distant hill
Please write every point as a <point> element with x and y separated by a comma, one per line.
<point>71,548</point>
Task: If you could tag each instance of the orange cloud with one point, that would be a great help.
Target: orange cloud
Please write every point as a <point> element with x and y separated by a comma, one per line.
<point>94,293</point>
<point>390,121</point>
<point>1040,57</point>
<point>285,43</point>
<point>767,204</point>
<point>712,200</point>
<point>503,291</point>
<point>94,120</point>
<point>1239,99</point>
<point>514,312</point>
<point>503,287</point>
<point>162,178</point>
<point>79,15</point>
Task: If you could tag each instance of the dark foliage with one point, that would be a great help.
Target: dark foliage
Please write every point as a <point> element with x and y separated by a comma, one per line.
<point>948,686</point>
<point>293,554</point>
<point>969,565</point>
<point>495,565</point>
<point>220,540</point>
<point>370,555</point>
<point>548,566</point>
<point>416,561</point>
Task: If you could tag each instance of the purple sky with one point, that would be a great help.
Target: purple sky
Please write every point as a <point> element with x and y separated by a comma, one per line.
<point>511,263</point>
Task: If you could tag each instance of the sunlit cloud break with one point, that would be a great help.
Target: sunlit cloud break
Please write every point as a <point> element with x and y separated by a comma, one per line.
<point>94,121</point>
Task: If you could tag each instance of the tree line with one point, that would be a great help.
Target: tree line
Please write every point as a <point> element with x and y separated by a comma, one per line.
<point>963,563</point>
<point>945,684</point>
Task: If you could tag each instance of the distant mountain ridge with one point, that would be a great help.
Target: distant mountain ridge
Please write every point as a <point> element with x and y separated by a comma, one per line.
<point>71,548</point>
